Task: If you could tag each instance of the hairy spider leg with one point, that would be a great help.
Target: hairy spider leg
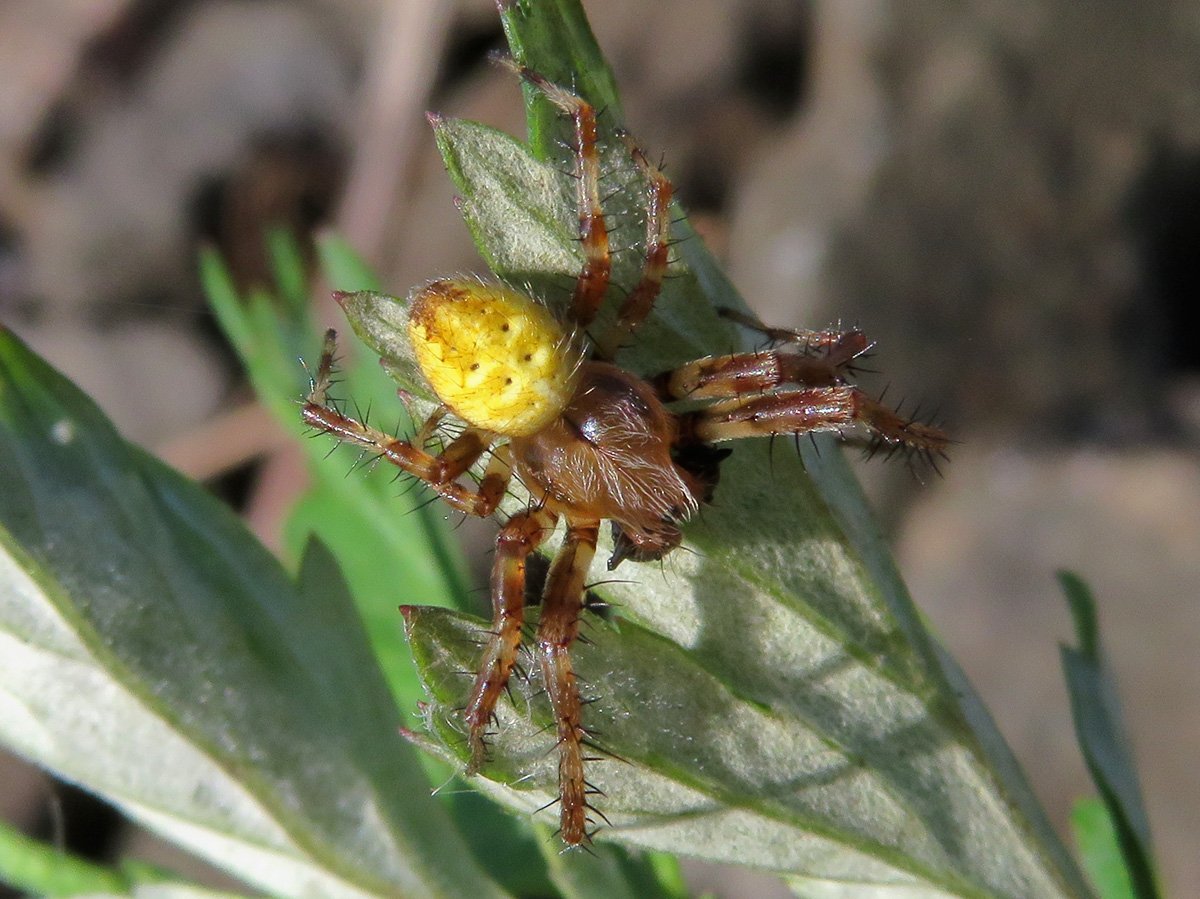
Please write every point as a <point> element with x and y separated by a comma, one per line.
<point>440,472</point>
<point>751,406</point>
<point>657,249</point>
<point>843,345</point>
<point>811,410</point>
<point>558,627</point>
<point>436,417</point>
<point>742,373</point>
<point>592,281</point>
<point>520,536</point>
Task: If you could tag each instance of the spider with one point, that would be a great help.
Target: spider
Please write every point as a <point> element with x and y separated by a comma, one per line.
<point>589,441</point>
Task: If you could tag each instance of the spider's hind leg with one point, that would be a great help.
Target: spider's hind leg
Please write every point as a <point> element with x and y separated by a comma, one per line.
<point>775,392</point>
<point>810,410</point>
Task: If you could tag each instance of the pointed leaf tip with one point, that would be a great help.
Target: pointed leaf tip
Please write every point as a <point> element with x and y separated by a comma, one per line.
<point>1083,612</point>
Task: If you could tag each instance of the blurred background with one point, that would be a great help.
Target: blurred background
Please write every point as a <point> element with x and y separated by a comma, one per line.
<point>1005,195</point>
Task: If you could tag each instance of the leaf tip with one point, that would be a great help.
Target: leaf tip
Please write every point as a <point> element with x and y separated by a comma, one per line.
<point>408,734</point>
<point>1083,611</point>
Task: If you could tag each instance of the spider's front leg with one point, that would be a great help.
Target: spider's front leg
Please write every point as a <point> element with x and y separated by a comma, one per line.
<point>440,472</point>
<point>841,347</point>
<point>562,604</point>
<point>523,534</point>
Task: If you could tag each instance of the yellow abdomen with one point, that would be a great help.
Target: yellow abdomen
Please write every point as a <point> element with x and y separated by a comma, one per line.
<point>496,357</point>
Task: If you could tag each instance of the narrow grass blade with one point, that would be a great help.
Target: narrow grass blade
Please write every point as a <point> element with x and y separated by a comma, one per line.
<point>1101,734</point>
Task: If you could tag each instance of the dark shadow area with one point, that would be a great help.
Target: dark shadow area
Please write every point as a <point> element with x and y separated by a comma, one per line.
<point>1164,211</point>
<point>773,65</point>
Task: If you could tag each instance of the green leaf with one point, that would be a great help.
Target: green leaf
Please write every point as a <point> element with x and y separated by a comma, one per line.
<point>344,269</point>
<point>390,554</point>
<point>668,874</point>
<point>1101,735</point>
<point>37,868</point>
<point>553,37</point>
<point>290,271</point>
<point>1100,850</point>
<point>153,652</point>
<point>769,688</point>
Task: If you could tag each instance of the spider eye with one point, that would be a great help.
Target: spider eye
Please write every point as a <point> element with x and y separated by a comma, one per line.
<point>496,357</point>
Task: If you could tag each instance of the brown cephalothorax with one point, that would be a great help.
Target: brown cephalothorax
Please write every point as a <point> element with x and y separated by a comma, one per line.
<point>589,441</point>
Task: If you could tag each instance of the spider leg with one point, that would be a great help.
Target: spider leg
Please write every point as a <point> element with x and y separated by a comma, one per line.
<point>430,426</point>
<point>742,373</point>
<point>592,281</point>
<point>810,340</point>
<point>557,630</point>
<point>810,410</point>
<point>518,538</point>
<point>640,301</point>
<point>440,472</point>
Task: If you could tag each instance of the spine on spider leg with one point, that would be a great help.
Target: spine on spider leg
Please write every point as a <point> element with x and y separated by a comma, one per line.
<point>557,630</point>
<point>319,412</point>
<point>319,384</point>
